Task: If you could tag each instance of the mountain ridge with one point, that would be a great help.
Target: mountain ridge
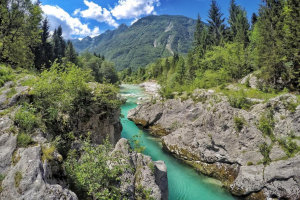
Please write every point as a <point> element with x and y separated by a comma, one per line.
<point>143,42</point>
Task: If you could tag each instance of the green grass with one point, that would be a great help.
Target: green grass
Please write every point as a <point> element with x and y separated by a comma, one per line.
<point>18,178</point>
<point>2,177</point>
<point>239,123</point>
<point>6,74</point>
<point>24,140</point>
<point>26,119</point>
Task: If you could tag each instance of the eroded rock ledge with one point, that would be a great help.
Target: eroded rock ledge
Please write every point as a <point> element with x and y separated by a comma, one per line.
<point>227,143</point>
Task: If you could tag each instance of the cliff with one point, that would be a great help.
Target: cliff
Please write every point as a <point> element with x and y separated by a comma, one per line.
<point>32,160</point>
<point>254,152</point>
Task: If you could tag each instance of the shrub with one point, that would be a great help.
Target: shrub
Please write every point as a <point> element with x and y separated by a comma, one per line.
<point>265,151</point>
<point>239,100</point>
<point>239,123</point>
<point>6,74</point>
<point>18,178</point>
<point>91,173</point>
<point>47,153</point>
<point>25,118</point>
<point>290,147</point>
<point>249,163</point>
<point>266,124</point>
<point>24,140</point>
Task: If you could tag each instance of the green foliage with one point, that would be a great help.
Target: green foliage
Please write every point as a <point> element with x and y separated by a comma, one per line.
<point>266,124</point>
<point>19,30</point>
<point>24,140</point>
<point>143,194</point>
<point>265,151</point>
<point>18,177</point>
<point>26,119</point>
<point>216,25</point>
<point>48,153</point>
<point>239,100</point>
<point>6,74</point>
<point>289,146</point>
<point>91,173</point>
<point>102,70</point>
<point>137,146</point>
<point>239,123</point>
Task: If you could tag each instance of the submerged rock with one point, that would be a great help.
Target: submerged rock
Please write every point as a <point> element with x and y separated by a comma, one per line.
<point>226,143</point>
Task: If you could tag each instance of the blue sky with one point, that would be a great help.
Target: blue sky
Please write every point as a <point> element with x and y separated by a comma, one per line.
<point>80,18</point>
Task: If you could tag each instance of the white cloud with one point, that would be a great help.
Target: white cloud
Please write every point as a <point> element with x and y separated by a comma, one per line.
<point>76,11</point>
<point>71,26</point>
<point>98,13</point>
<point>128,9</point>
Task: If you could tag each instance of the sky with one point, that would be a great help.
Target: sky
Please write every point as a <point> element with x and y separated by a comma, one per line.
<point>81,18</point>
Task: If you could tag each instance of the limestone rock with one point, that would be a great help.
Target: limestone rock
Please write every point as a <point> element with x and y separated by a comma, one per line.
<point>203,132</point>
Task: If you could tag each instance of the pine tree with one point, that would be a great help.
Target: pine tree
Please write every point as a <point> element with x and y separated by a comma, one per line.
<point>43,53</point>
<point>59,45</point>
<point>253,20</point>
<point>216,24</point>
<point>71,54</point>
<point>269,47</point>
<point>239,25</point>
<point>291,42</point>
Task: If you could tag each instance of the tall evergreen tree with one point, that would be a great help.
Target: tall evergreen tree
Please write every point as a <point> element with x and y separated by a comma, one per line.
<point>43,52</point>
<point>71,54</point>
<point>239,25</point>
<point>291,41</point>
<point>253,20</point>
<point>216,24</point>
<point>270,50</point>
<point>58,44</point>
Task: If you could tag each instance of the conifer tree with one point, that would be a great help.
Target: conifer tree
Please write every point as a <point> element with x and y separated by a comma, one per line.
<point>58,44</point>
<point>216,24</point>
<point>71,54</point>
<point>43,53</point>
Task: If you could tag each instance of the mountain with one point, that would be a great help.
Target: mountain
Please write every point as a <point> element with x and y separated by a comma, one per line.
<point>148,39</point>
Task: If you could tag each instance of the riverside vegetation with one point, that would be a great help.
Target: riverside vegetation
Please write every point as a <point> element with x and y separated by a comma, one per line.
<point>59,116</point>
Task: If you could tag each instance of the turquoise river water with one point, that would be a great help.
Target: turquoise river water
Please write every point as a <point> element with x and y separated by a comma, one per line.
<point>184,182</point>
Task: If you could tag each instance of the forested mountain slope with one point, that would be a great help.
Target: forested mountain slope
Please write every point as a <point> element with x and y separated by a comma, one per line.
<point>146,40</point>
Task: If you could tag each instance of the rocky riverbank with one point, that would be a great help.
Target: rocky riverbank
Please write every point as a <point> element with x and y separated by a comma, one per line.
<point>254,152</point>
<point>36,171</point>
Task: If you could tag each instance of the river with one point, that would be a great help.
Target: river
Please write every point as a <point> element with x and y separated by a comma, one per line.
<point>184,182</point>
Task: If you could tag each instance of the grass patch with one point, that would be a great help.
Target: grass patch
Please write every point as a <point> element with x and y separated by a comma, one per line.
<point>11,93</point>
<point>2,177</point>
<point>48,153</point>
<point>24,140</point>
<point>26,119</point>
<point>6,74</point>
<point>266,124</point>
<point>18,178</point>
<point>239,123</point>
<point>290,147</point>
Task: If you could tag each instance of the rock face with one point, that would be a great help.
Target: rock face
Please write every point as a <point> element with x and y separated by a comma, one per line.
<point>26,175</point>
<point>226,143</point>
<point>147,176</point>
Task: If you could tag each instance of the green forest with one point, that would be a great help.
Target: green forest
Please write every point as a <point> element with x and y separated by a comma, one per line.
<point>223,53</point>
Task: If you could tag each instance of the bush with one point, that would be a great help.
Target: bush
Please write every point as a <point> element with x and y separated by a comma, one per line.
<point>239,100</point>
<point>266,124</point>
<point>24,140</point>
<point>91,173</point>
<point>25,118</point>
<point>239,123</point>
<point>47,153</point>
<point>6,74</point>
<point>290,147</point>
<point>265,151</point>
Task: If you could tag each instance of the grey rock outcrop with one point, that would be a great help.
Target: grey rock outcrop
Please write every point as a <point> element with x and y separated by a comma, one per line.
<point>204,133</point>
<point>147,176</point>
